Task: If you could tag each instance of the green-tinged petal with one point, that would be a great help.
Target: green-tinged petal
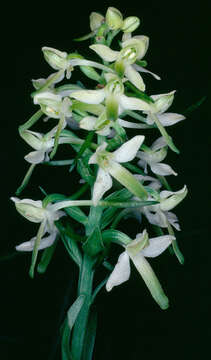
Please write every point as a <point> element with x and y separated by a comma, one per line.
<point>137,245</point>
<point>102,184</point>
<point>88,123</point>
<point>91,73</point>
<point>112,107</point>
<point>32,138</point>
<point>128,150</point>
<point>127,179</point>
<point>130,24</point>
<point>55,58</point>
<point>30,209</point>
<point>134,77</point>
<point>96,20</point>
<point>121,272</point>
<point>163,101</point>
<point>89,96</point>
<point>132,103</point>
<point>105,52</point>
<point>170,199</point>
<point>150,280</point>
<point>114,18</point>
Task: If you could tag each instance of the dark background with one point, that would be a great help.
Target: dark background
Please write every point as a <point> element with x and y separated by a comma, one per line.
<point>130,324</point>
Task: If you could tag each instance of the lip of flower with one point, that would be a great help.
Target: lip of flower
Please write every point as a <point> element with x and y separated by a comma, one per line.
<point>137,251</point>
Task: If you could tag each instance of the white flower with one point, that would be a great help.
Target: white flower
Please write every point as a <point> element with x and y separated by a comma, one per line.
<point>42,144</point>
<point>60,60</point>
<point>133,49</point>
<point>137,250</point>
<point>113,95</point>
<point>34,212</point>
<point>109,165</point>
<point>53,105</point>
<point>153,157</point>
<point>161,103</point>
<point>96,20</point>
<point>159,214</point>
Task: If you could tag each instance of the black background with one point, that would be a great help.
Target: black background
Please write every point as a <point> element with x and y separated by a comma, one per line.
<point>130,324</point>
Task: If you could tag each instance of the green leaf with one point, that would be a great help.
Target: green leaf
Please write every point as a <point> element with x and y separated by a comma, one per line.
<point>94,244</point>
<point>85,171</point>
<point>83,148</point>
<point>73,250</point>
<point>142,63</point>
<point>94,218</point>
<point>90,336</point>
<point>72,315</point>
<point>194,106</point>
<point>46,258</point>
<point>77,214</point>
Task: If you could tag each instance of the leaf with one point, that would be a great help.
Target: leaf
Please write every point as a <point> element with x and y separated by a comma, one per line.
<point>90,336</point>
<point>83,148</point>
<point>72,248</point>
<point>194,106</point>
<point>91,73</point>
<point>94,218</point>
<point>72,315</point>
<point>46,258</point>
<point>94,244</point>
<point>77,214</point>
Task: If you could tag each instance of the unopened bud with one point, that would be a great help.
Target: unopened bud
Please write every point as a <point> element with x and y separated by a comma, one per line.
<point>114,18</point>
<point>96,20</point>
<point>130,24</point>
<point>55,58</point>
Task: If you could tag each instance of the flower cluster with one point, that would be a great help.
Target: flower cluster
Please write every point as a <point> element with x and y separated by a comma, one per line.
<point>117,102</point>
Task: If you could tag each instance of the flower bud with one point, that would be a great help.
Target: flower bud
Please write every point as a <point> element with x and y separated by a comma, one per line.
<point>30,209</point>
<point>130,24</point>
<point>55,58</point>
<point>114,18</point>
<point>96,20</point>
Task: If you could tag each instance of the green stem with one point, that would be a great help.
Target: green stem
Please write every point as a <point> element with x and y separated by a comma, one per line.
<point>84,288</point>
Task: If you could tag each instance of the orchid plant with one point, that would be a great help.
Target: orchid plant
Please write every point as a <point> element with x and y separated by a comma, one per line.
<point>94,122</point>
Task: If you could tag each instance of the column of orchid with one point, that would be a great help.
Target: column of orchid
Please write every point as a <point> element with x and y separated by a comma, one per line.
<point>117,102</point>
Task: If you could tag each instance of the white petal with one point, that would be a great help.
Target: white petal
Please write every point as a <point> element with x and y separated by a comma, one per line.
<point>158,218</point>
<point>88,123</point>
<point>44,243</point>
<point>134,77</point>
<point>105,52</point>
<point>158,144</point>
<point>173,200</point>
<point>173,219</point>
<point>47,95</point>
<point>102,184</point>
<point>157,245</point>
<point>36,203</point>
<point>162,169</point>
<point>142,69</point>
<point>35,157</point>
<point>128,150</point>
<point>89,96</point>
<point>130,125</point>
<point>121,272</point>
<point>132,103</point>
<point>163,101</point>
<point>169,119</point>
